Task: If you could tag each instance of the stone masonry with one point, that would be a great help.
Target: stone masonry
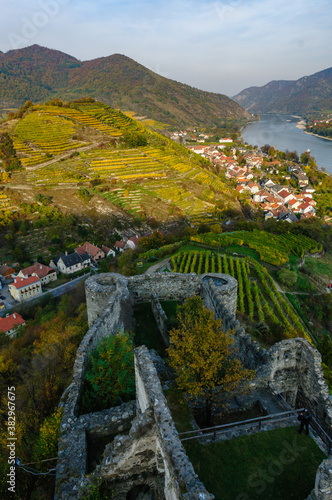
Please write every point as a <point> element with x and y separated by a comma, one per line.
<point>151,453</point>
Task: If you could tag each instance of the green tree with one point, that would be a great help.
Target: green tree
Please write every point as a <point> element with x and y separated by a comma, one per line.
<point>84,194</point>
<point>110,375</point>
<point>202,357</point>
<point>287,277</point>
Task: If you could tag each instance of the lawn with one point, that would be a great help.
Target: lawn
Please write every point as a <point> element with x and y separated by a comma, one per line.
<point>275,465</point>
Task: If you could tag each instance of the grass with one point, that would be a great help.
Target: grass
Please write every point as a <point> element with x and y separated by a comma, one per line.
<point>146,330</point>
<point>322,266</point>
<point>276,465</point>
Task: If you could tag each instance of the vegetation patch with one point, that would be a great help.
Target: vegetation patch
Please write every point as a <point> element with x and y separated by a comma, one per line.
<point>258,297</point>
<point>276,465</point>
<point>110,375</point>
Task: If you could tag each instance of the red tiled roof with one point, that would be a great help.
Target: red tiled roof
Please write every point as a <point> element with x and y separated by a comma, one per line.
<point>9,322</point>
<point>87,248</point>
<point>40,269</point>
<point>119,244</point>
<point>284,193</point>
<point>134,239</point>
<point>105,249</point>
<point>21,282</point>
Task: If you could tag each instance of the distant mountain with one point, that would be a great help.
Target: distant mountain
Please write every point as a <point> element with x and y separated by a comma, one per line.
<point>306,95</point>
<point>38,74</point>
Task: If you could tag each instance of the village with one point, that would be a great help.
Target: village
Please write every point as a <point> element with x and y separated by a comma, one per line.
<point>17,286</point>
<point>252,173</point>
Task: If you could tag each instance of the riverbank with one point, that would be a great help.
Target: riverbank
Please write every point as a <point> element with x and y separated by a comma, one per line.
<point>283,133</point>
<point>316,135</point>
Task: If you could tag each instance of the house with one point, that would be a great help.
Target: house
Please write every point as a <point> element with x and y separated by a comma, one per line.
<point>260,195</point>
<point>253,187</point>
<point>276,188</point>
<point>300,177</point>
<point>293,204</point>
<point>306,207</point>
<point>95,253</point>
<point>285,196</point>
<point>10,323</point>
<point>45,273</point>
<point>226,140</point>
<point>68,264</point>
<point>7,271</point>
<point>309,189</point>
<point>119,246</point>
<point>25,288</point>
<point>108,251</point>
<point>133,242</point>
<point>289,217</point>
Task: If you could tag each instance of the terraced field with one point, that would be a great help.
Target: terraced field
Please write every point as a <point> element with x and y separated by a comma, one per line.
<point>258,297</point>
<point>136,179</point>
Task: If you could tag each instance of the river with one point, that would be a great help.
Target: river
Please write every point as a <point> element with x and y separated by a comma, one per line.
<point>280,131</point>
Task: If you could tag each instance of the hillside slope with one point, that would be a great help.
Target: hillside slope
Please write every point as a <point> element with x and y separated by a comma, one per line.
<point>125,164</point>
<point>36,73</point>
<point>308,94</point>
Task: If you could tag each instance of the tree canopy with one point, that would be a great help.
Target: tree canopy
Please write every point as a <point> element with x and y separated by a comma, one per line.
<point>202,356</point>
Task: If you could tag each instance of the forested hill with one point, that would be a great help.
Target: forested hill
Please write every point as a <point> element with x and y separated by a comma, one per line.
<point>36,73</point>
<point>307,95</point>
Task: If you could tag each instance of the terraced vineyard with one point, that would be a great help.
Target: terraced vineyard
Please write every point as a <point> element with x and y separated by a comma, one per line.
<point>272,248</point>
<point>161,174</point>
<point>258,296</point>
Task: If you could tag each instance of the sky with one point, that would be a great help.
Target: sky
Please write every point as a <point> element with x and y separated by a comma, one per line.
<point>220,46</point>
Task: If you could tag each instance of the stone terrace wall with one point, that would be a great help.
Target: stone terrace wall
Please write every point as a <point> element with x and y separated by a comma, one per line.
<point>179,472</point>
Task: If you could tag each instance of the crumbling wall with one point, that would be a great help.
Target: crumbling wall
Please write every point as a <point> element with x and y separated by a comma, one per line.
<point>294,368</point>
<point>72,455</point>
<point>169,286</point>
<point>160,317</point>
<point>181,481</point>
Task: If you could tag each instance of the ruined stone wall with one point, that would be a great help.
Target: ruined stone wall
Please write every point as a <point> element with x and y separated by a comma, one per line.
<point>107,294</point>
<point>178,470</point>
<point>169,286</point>
<point>323,483</point>
<point>72,456</point>
<point>222,299</point>
<point>160,317</point>
<point>294,368</point>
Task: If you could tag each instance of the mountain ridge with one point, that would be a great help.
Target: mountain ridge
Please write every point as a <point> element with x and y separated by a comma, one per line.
<point>308,94</point>
<point>38,74</point>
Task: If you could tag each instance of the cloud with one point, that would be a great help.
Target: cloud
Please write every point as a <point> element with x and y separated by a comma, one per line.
<point>222,46</point>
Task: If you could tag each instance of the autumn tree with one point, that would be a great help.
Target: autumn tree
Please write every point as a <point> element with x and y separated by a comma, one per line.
<point>202,357</point>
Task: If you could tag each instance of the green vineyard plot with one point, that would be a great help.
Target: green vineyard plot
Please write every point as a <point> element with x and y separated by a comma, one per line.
<point>258,297</point>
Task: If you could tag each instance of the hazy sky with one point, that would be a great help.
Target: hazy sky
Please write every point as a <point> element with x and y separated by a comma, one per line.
<point>222,46</point>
